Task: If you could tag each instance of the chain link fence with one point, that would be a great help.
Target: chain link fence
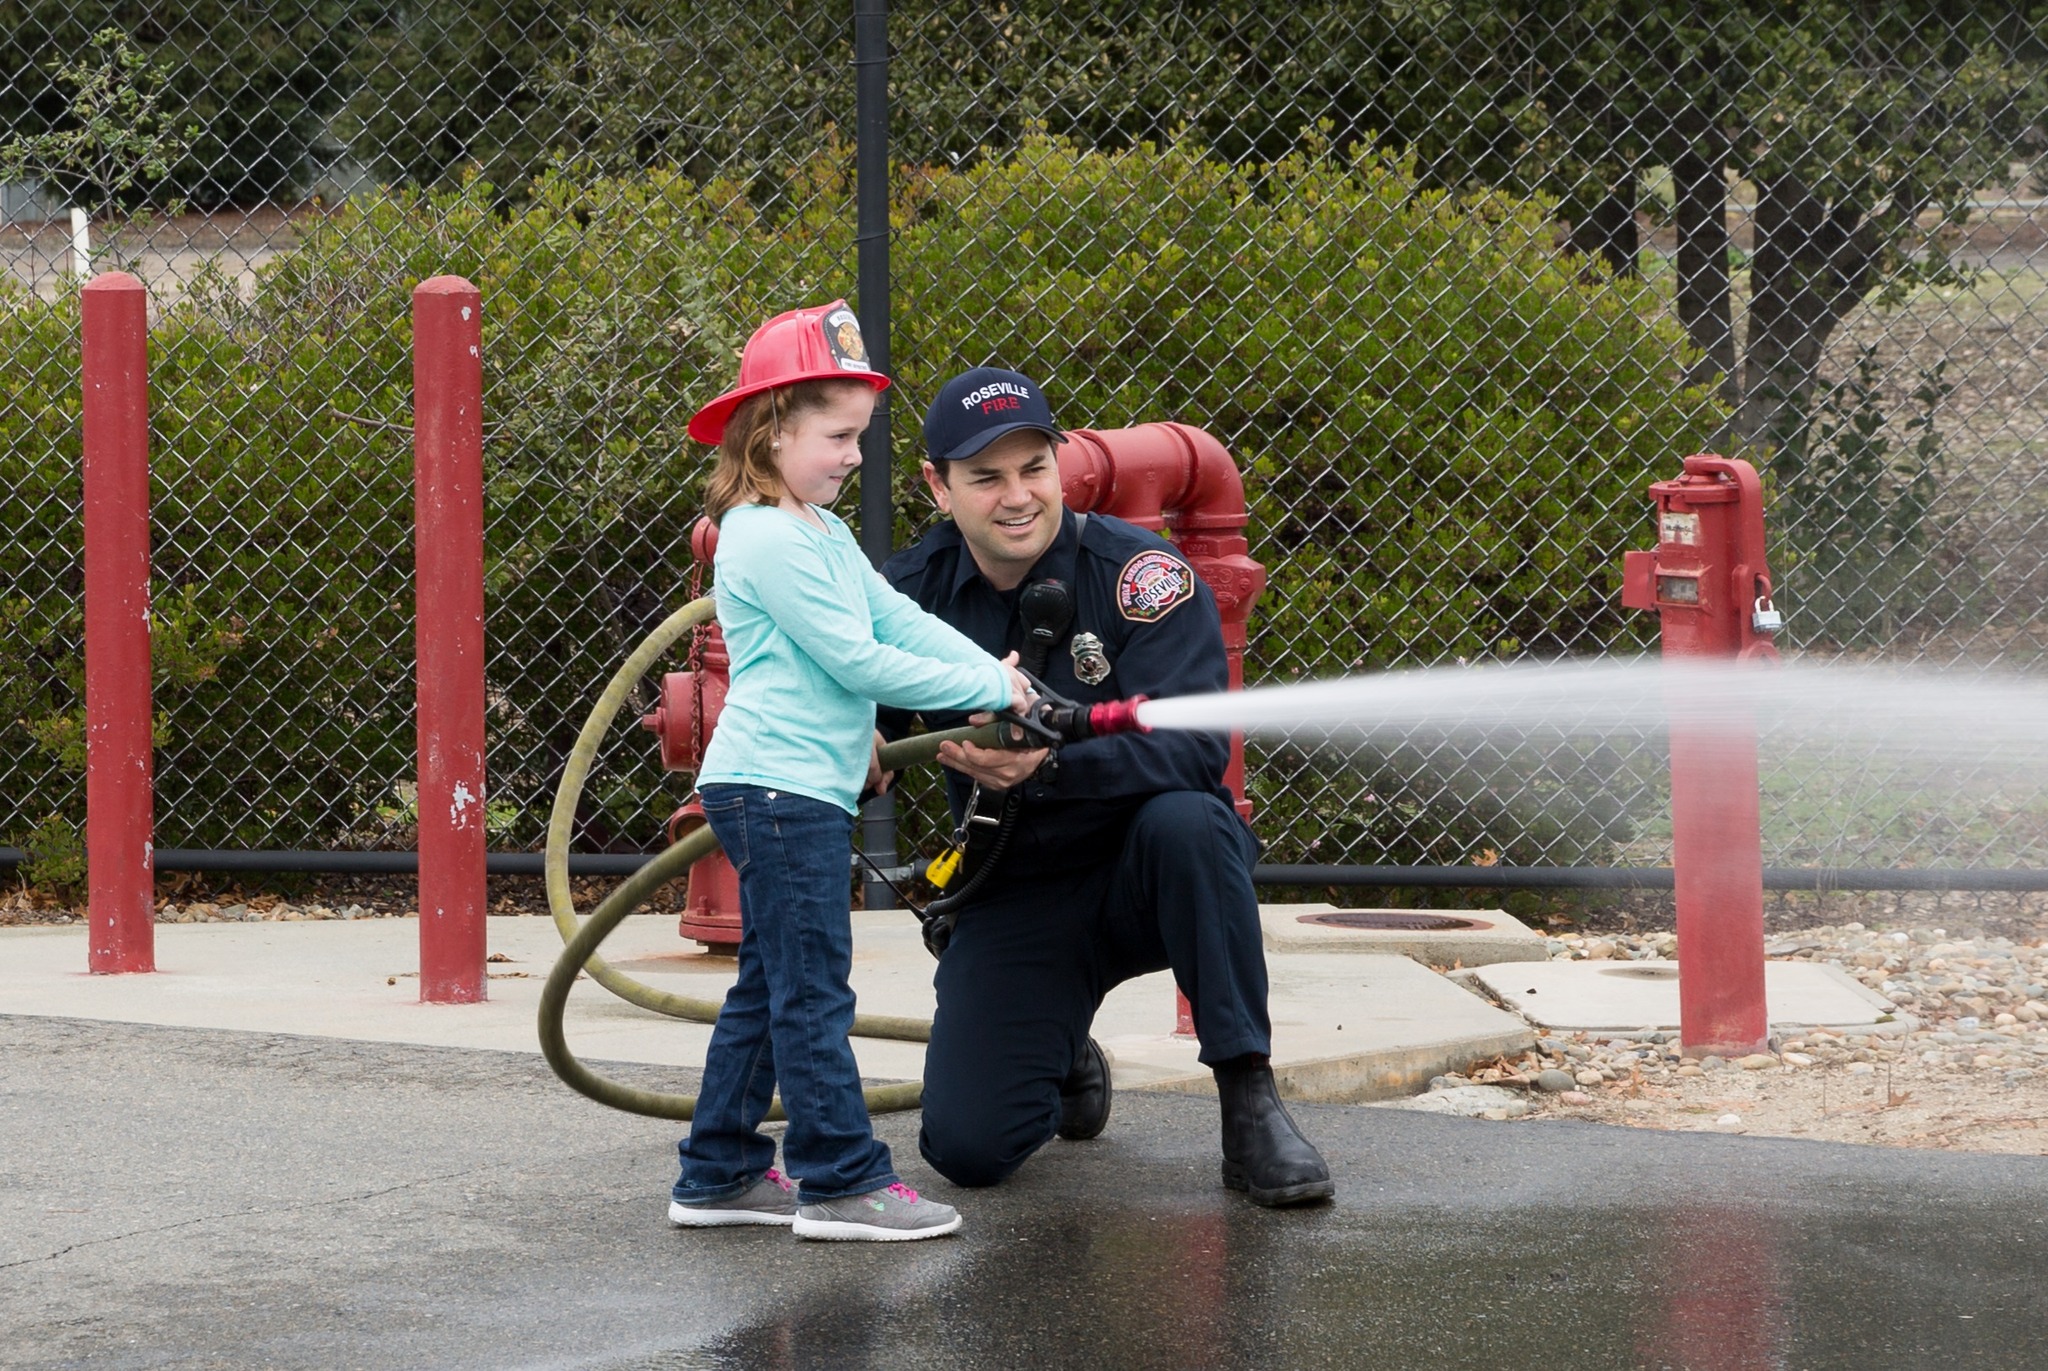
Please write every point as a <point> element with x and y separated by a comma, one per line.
<point>1453,283</point>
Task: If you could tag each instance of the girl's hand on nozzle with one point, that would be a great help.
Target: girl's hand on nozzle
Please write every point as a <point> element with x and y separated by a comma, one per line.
<point>1020,689</point>
<point>878,779</point>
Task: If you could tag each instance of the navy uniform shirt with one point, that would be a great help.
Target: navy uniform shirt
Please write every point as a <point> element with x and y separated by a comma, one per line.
<point>1159,629</point>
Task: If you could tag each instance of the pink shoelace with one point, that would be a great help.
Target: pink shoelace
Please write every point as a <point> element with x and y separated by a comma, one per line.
<point>771,1174</point>
<point>903,1192</point>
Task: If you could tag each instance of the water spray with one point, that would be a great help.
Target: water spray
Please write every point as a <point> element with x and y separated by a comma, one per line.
<point>1961,715</point>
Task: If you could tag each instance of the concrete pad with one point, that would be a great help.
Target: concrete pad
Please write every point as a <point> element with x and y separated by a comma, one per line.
<point>1627,997</point>
<point>358,979</point>
<point>1345,1028</point>
<point>1492,935</point>
<point>354,979</point>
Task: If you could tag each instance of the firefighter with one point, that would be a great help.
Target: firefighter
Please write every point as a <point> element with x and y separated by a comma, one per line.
<point>1124,855</point>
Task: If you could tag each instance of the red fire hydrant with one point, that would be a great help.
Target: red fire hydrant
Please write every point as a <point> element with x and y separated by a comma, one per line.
<point>1708,582</point>
<point>683,719</point>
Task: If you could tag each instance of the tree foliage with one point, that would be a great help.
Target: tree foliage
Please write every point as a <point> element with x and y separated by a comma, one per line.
<point>259,82</point>
<point>1447,426</point>
<point>1853,120</point>
<point>114,141</point>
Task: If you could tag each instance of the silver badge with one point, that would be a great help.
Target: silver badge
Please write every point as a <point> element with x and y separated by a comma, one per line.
<point>1090,666</point>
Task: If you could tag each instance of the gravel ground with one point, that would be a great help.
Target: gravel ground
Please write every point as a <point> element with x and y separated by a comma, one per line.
<point>1972,1075</point>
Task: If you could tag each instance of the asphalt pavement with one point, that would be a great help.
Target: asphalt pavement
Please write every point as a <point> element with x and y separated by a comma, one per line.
<point>181,1197</point>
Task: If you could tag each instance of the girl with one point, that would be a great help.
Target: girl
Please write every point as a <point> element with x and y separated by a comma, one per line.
<point>816,637</point>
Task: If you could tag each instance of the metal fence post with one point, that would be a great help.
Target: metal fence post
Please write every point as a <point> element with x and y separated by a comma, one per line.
<point>448,570</point>
<point>119,802</point>
<point>877,475</point>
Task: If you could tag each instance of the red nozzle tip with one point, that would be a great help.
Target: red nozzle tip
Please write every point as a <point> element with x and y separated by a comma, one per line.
<point>1117,716</point>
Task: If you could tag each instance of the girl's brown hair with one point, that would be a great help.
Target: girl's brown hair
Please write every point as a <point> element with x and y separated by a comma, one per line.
<point>746,469</point>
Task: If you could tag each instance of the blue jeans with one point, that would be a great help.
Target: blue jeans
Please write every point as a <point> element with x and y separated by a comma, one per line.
<point>788,1017</point>
<point>1082,903</point>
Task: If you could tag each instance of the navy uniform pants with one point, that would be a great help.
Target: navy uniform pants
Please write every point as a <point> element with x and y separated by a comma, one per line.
<point>1071,912</point>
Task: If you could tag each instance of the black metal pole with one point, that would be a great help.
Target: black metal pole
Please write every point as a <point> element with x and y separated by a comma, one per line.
<point>1652,877</point>
<point>2016,879</point>
<point>871,195</point>
<point>877,485</point>
<point>335,862</point>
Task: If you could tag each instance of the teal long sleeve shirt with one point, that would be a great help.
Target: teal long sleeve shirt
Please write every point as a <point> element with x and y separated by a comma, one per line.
<point>817,638</point>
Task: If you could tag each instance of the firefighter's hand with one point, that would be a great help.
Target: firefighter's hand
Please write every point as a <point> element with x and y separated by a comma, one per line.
<point>997,768</point>
<point>878,779</point>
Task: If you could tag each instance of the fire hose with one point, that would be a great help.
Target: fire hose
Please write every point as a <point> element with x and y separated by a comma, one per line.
<point>1059,719</point>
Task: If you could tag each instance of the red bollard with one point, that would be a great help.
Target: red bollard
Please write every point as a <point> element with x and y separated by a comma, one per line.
<point>1709,583</point>
<point>119,802</point>
<point>448,571</point>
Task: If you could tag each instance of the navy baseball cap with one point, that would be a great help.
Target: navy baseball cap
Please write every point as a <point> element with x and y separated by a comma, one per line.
<point>977,407</point>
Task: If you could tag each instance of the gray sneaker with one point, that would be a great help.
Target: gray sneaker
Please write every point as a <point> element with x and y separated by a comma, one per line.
<point>892,1214</point>
<point>769,1200</point>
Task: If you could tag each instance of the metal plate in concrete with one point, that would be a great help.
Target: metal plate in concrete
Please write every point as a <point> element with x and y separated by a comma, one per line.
<point>1624,997</point>
<point>1495,936</point>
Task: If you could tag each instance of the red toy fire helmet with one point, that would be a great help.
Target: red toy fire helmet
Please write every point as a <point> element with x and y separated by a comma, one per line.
<point>822,344</point>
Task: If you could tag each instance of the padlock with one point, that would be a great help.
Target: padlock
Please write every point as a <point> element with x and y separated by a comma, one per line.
<point>1763,618</point>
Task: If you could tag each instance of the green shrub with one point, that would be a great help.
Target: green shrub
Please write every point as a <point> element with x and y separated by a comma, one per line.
<point>258,81</point>
<point>283,508</point>
<point>1447,425</point>
<point>1447,429</point>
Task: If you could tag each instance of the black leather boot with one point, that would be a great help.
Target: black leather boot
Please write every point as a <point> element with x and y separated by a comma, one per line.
<point>1084,1095</point>
<point>1264,1153</point>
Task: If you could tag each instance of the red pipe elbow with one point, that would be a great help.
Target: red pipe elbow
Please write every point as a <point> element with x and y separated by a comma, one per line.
<point>1153,475</point>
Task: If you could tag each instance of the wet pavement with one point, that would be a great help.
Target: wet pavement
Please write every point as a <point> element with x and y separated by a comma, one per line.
<point>196,1198</point>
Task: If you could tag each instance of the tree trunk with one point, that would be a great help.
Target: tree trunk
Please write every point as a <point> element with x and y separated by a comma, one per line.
<point>1703,291</point>
<point>1812,263</point>
<point>1608,230</point>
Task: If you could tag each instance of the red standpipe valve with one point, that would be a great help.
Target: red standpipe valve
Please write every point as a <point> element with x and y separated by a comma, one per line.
<point>1712,591</point>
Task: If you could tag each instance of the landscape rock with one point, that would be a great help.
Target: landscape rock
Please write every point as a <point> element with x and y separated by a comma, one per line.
<point>1466,1101</point>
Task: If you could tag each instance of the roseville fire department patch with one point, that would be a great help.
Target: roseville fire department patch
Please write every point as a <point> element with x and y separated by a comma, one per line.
<point>1151,584</point>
